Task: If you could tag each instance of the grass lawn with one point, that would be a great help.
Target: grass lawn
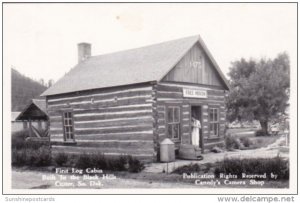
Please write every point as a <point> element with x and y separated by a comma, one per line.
<point>264,141</point>
<point>234,131</point>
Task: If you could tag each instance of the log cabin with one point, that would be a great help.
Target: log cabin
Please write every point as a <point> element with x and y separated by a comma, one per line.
<point>129,101</point>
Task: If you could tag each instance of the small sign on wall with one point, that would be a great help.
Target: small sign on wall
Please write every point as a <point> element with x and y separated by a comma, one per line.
<point>194,93</point>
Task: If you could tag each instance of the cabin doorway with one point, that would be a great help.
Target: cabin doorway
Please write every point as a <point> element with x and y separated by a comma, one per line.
<point>196,113</point>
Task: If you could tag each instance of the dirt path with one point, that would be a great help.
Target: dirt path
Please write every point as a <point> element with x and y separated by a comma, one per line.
<point>270,151</point>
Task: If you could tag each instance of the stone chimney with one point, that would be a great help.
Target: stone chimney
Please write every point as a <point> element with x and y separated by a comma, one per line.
<point>84,51</point>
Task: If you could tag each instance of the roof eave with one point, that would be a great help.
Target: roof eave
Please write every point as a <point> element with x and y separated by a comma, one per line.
<point>21,114</point>
<point>215,64</point>
<point>152,82</point>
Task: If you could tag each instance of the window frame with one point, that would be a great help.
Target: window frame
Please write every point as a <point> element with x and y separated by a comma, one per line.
<point>215,121</point>
<point>173,122</point>
<point>70,135</point>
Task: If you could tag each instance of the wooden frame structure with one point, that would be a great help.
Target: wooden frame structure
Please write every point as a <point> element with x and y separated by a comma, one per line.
<point>36,112</point>
<point>119,101</point>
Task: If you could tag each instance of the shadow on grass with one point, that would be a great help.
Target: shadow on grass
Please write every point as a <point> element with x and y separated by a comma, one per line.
<point>41,187</point>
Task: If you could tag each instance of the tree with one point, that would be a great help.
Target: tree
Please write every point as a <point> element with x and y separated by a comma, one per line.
<point>259,90</point>
<point>50,83</point>
<point>23,90</point>
<point>42,82</point>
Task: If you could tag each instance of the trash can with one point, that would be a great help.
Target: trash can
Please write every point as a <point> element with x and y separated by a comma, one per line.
<point>167,151</point>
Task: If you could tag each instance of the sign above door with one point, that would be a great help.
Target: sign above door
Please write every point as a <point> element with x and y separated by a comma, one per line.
<point>194,93</point>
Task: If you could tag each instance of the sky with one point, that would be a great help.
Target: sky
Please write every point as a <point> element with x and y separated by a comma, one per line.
<point>40,40</point>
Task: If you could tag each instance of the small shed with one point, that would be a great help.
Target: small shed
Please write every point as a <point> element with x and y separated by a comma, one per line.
<point>35,118</point>
<point>129,101</point>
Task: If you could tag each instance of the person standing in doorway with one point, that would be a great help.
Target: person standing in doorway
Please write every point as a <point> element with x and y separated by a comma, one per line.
<point>196,126</point>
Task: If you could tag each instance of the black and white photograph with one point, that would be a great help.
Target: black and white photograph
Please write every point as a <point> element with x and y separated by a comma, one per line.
<point>150,98</point>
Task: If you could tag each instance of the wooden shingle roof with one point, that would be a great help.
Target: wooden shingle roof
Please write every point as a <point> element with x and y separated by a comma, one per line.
<point>41,104</point>
<point>140,65</point>
<point>36,110</point>
<point>14,115</point>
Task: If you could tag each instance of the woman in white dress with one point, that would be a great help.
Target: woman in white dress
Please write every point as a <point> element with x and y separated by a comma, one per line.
<point>195,132</point>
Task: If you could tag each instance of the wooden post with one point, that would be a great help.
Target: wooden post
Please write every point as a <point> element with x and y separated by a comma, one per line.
<point>167,167</point>
<point>25,125</point>
<point>47,125</point>
<point>30,128</point>
<point>201,129</point>
<point>201,139</point>
<point>39,125</point>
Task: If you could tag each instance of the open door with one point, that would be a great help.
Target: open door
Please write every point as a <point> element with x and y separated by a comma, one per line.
<point>193,150</point>
<point>196,113</point>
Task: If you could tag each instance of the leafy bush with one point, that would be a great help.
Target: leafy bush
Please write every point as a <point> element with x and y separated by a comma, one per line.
<point>61,159</point>
<point>232,142</point>
<point>135,165</point>
<point>19,141</point>
<point>277,165</point>
<point>117,163</point>
<point>259,133</point>
<point>195,168</point>
<point>18,157</point>
<point>100,161</point>
<point>31,157</point>
<point>246,141</point>
<point>22,134</point>
<point>83,161</point>
<point>38,153</point>
<point>41,156</point>
<point>29,153</point>
<point>191,168</point>
<point>216,149</point>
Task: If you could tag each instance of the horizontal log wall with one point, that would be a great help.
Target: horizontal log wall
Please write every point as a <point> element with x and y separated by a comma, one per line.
<point>116,121</point>
<point>172,93</point>
<point>209,140</point>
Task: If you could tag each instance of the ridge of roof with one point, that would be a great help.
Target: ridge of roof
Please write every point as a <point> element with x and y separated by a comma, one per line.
<point>147,46</point>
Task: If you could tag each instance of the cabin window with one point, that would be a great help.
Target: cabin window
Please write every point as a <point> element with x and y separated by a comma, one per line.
<point>173,122</point>
<point>68,126</point>
<point>213,122</point>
